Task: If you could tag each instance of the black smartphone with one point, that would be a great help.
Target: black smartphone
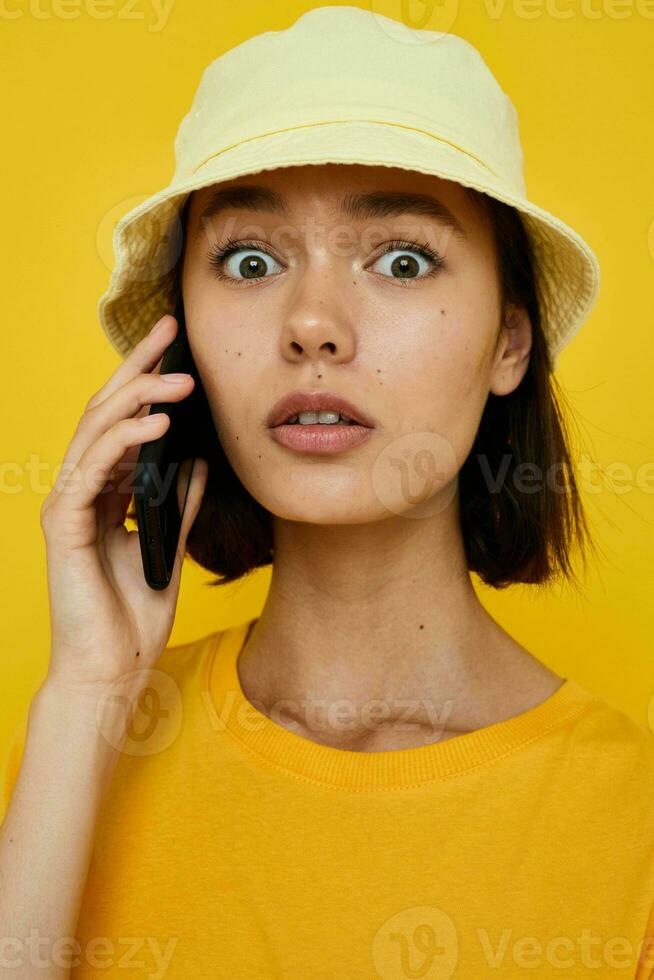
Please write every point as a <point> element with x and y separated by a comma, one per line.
<point>158,514</point>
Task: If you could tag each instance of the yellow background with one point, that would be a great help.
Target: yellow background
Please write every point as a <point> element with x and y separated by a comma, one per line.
<point>93,96</point>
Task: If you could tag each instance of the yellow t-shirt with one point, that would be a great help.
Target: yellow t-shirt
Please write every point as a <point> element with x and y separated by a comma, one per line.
<point>230,846</point>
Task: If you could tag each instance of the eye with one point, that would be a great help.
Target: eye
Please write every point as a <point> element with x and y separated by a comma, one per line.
<point>254,262</point>
<point>240,261</point>
<point>405,265</point>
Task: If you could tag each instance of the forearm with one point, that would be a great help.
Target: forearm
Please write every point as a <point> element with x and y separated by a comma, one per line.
<point>47,835</point>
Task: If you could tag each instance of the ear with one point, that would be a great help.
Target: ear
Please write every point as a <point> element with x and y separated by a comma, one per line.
<point>512,358</point>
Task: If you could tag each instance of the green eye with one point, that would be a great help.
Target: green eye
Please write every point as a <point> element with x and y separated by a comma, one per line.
<point>415,260</point>
<point>406,266</point>
<point>253,264</point>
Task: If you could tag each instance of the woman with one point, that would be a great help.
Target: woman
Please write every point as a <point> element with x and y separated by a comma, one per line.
<point>411,341</point>
<point>372,778</point>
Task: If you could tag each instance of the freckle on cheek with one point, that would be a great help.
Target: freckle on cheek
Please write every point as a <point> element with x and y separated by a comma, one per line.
<point>442,311</point>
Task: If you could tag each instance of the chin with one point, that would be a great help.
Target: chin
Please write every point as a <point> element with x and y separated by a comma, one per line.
<point>333,507</point>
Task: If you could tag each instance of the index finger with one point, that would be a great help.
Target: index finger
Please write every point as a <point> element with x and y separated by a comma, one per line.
<point>145,356</point>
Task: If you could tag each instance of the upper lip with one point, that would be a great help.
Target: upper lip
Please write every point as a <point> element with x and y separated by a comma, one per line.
<point>315,401</point>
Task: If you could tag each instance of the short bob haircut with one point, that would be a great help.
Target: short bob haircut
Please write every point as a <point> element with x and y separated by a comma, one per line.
<point>519,507</point>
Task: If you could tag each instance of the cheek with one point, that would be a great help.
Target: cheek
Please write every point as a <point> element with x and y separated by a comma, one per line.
<point>442,387</point>
<point>439,362</point>
<point>231,367</point>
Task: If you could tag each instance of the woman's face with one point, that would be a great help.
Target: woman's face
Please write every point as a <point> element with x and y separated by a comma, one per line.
<point>324,293</point>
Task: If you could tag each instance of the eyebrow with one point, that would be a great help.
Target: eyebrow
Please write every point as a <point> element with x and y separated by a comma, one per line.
<point>356,207</point>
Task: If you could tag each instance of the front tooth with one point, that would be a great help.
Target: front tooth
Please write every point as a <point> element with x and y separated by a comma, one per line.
<point>326,418</point>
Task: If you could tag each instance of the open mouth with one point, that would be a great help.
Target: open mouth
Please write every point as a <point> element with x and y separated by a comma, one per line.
<point>307,433</point>
<point>317,410</point>
<point>319,418</point>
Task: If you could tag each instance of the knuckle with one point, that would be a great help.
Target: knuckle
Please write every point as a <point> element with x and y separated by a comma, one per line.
<point>92,402</point>
<point>45,514</point>
<point>123,429</point>
<point>90,413</point>
<point>83,426</point>
<point>84,419</point>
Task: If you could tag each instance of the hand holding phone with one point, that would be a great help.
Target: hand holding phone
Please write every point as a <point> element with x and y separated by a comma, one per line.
<point>108,624</point>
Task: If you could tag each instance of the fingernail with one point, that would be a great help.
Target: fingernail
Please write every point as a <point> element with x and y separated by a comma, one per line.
<point>175,379</point>
<point>151,419</point>
<point>157,327</point>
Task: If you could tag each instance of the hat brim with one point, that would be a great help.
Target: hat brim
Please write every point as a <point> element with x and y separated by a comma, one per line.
<point>147,241</point>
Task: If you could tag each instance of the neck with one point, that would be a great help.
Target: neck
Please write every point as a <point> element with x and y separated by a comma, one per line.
<point>376,623</point>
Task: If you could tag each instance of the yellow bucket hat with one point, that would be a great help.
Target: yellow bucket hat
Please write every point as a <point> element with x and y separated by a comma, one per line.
<point>344,85</point>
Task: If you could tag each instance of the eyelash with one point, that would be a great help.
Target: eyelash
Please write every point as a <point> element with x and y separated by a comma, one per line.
<point>219,254</point>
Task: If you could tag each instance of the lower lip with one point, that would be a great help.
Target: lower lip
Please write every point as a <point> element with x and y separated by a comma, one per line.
<point>319,438</point>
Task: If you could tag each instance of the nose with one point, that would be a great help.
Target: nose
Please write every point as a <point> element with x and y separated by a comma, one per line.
<point>318,326</point>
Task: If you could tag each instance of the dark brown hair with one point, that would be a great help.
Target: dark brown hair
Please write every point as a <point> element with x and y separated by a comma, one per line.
<point>510,534</point>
